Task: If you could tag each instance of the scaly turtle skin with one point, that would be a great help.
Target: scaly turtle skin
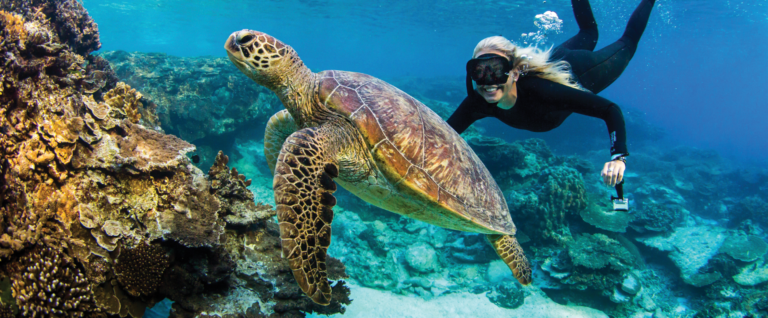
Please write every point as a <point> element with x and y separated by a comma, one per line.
<point>375,141</point>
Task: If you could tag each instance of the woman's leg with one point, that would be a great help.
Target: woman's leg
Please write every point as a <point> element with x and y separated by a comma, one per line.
<point>597,70</point>
<point>586,39</point>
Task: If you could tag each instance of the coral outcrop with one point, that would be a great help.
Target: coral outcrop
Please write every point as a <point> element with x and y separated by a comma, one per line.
<point>546,206</point>
<point>101,213</point>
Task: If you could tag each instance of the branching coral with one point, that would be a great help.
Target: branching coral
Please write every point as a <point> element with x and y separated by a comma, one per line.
<point>140,269</point>
<point>47,282</point>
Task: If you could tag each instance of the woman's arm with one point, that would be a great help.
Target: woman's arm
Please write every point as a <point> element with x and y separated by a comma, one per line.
<point>463,117</point>
<point>564,98</point>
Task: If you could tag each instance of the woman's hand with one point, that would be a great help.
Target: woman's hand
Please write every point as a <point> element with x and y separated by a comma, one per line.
<point>613,172</point>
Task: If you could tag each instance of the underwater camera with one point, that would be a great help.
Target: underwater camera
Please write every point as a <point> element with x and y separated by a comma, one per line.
<point>620,203</point>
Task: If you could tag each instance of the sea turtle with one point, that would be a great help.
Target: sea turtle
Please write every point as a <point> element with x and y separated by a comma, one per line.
<point>374,140</point>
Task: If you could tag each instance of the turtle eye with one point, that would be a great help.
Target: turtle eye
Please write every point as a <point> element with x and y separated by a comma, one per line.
<point>245,39</point>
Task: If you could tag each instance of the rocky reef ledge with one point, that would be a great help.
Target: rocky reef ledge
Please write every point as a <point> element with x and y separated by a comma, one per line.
<point>101,213</point>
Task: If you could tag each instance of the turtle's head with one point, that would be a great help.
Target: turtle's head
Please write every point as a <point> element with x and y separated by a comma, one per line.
<point>264,59</point>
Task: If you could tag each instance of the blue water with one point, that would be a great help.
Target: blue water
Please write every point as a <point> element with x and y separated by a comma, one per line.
<point>698,73</point>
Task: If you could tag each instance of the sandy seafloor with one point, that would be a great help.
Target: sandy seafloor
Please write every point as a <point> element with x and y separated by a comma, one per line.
<point>373,303</point>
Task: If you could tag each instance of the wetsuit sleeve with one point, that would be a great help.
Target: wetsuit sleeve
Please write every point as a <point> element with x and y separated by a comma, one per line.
<point>464,116</point>
<point>566,98</point>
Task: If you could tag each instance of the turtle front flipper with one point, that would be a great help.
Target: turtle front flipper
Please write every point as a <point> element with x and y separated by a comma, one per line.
<point>304,189</point>
<point>280,126</point>
<point>512,253</point>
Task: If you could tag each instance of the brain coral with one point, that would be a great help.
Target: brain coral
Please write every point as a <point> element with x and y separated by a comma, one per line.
<point>140,269</point>
<point>47,282</point>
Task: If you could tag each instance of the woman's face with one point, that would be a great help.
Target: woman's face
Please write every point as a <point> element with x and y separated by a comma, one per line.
<point>494,93</point>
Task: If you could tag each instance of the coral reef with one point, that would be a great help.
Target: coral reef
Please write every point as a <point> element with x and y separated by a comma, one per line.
<point>140,269</point>
<point>47,282</point>
<point>199,98</point>
<point>547,204</point>
<point>101,215</point>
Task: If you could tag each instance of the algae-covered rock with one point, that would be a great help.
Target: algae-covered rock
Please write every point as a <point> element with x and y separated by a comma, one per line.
<point>653,217</point>
<point>422,257</point>
<point>597,251</point>
<point>507,295</point>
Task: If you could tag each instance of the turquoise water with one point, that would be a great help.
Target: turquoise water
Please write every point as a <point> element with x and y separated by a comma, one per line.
<point>694,97</point>
<point>697,72</point>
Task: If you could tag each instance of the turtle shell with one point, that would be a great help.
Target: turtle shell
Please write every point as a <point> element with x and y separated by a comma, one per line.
<point>427,163</point>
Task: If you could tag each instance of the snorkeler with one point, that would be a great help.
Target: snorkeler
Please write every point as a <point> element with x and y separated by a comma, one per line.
<point>536,90</point>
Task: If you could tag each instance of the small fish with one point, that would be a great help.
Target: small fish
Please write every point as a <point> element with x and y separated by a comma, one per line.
<point>196,159</point>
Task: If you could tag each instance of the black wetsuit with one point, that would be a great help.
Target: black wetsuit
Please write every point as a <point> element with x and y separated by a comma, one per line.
<point>543,105</point>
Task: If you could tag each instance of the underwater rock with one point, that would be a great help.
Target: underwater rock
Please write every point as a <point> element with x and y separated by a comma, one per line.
<point>200,99</point>
<point>631,284</point>
<point>656,218</point>
<point>690,249</point>
<point>744,248</point>
<point>596,251</point>
<point>422,257</point>
<point>507,295</point>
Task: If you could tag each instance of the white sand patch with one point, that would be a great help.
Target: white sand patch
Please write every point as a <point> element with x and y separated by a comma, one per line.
<point>372,303</point>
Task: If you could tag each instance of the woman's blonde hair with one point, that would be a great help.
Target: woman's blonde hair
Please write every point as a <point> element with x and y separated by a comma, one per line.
<point>530,59</point>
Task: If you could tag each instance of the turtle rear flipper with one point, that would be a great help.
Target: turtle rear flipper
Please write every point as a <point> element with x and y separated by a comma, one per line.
<point>303,188</point>
<point>512,253</point>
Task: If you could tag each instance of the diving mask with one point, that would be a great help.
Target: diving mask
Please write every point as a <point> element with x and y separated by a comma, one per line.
<point>489,69</point>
